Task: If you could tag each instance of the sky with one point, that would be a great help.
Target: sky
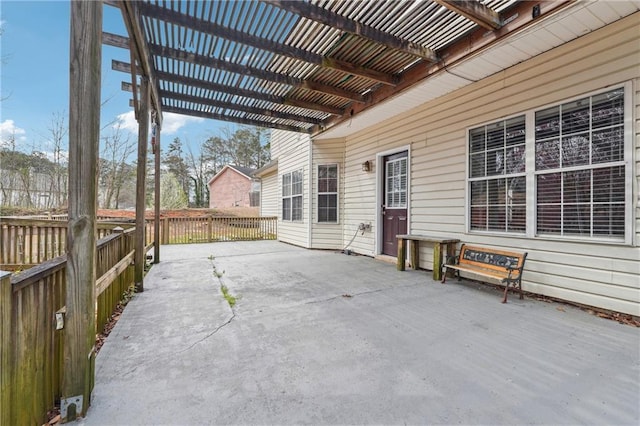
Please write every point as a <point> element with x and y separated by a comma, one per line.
<point>34,79</point>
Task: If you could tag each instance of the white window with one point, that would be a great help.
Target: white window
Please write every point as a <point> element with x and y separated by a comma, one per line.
<point>577,174</point>
<point>292,196</point>
<point>497,180</point>
<point>396,184</point>
<point>328,193</point>
<point>580,169</point>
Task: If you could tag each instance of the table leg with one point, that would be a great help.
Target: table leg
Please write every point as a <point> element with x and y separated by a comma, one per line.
<point>437,262</point>
<point>413,254</point>
<point>402,254</point>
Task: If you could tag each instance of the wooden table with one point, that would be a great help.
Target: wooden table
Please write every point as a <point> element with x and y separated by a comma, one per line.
<point>440,246</point>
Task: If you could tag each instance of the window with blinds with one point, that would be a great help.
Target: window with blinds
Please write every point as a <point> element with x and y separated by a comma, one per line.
<point>396,184</point>
<point>579,182</point>
<point>580,170</point>
<point>497,181</point>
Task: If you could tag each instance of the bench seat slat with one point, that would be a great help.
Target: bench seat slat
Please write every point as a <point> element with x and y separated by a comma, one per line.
<point>485,272</point>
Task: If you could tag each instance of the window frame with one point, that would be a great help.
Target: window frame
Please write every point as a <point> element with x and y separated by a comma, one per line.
<point>328,193</point>
<point>531,173</point>
<point>496,177</point>
<point>289,197</point>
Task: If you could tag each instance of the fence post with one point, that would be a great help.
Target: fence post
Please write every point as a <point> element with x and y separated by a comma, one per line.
<point>6,363</point>
<point>209,228</point>
<point>165,230</point>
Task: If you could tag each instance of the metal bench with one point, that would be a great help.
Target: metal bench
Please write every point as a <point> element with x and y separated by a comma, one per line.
<point>441,247</point>
<point>504,266</point>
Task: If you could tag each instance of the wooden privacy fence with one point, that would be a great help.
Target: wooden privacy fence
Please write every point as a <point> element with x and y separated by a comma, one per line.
<point>25,243</point>
<point>31,349</point>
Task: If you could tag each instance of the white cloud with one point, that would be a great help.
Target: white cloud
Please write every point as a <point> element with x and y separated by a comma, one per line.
<point>127,121</point>
<point>171,122</point>
<point>9,129</point>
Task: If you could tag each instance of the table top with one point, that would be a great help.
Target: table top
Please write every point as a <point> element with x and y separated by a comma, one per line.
<point>427,238</point>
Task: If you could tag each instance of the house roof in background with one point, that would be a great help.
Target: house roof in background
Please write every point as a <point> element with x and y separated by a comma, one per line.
<point>246,172</point>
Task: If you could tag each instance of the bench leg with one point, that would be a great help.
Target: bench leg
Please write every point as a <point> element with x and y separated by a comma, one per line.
<point>520,288</point>
<point>506,289</point>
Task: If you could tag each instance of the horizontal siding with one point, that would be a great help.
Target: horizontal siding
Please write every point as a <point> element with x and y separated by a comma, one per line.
<point>598,274</point>
<point>293,154</point>
<point>270,196</point>
<point>327,235</point>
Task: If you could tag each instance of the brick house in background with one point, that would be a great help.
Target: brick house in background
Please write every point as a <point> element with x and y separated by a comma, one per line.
<point>233,186</point>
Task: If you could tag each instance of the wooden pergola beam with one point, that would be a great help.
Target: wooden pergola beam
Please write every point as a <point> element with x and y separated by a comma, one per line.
<point>231,90</point>
<point>475,11</point>
<point>115,40</point>
<point>139,51</point>
<point>240,120</point>
<point>318,14</point>
<point>208,27</point>
<point>193,58</point>
<point>237,107</point>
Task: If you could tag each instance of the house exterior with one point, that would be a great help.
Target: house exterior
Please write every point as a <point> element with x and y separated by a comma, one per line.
<point>233,186</point>
<point>532,145</point>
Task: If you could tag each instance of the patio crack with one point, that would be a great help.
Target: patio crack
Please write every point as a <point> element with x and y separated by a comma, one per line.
<point>220,327</point>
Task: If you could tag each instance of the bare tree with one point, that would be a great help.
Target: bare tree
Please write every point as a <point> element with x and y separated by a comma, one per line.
<point>57,138</point>
<point>114,170</point>
<point>200,170</point>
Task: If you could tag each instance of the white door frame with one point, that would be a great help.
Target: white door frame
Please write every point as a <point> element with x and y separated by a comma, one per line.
<point>377,249</point>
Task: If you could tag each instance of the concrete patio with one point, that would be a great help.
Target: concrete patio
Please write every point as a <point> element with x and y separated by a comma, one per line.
<point>319,337</point>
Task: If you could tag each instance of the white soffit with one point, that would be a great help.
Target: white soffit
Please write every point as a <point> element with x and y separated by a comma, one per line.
<point>579,19</point>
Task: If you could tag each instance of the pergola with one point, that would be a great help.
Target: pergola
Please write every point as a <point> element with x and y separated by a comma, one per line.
<point>303,66</point>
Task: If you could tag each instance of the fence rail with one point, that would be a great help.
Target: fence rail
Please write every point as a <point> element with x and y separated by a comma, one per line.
<point>215,228</point>
<point>31,349</point>
<point>25,243</point>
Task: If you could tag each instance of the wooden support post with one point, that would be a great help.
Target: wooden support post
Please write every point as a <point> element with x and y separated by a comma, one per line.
<point>6,348</point>
<point>143,136</point>
<point>402,254</point>
<point>156,222</point>
<point>84,137</point>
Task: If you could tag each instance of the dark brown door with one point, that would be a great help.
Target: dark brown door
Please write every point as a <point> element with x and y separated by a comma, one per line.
<point>394,209</point>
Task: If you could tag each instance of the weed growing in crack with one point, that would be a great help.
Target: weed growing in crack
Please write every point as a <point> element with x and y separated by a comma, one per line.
<point>231,299</point>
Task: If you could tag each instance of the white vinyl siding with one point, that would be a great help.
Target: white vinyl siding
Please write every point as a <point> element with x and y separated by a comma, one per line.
<point>328,235</point>
<point>598,274</point>
<point>292,154</point>
<point>269,194</point>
